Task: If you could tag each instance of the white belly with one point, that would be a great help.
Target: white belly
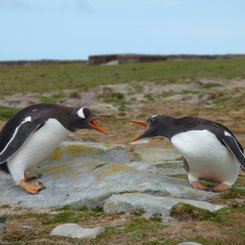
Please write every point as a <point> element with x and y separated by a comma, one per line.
<point>207,158</point>
<point>37,148</point>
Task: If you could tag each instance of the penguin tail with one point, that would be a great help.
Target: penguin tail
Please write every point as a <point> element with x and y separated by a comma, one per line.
<point>4,168</point>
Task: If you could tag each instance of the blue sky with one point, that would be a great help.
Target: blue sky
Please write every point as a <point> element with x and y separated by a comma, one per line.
<point>75,29</point>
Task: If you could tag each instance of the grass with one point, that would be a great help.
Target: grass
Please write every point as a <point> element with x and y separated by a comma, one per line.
<point>53,98</point>
<point>221,99</point>
<point>211,85</point>
<point>116,99</point>
<point>171,93</point>
<point>41,78</point>
<point>183,211</point>
<point>7,112</point>
<point>224,226</point>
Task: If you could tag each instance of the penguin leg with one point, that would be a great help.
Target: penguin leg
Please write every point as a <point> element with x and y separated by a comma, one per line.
<point>195,183</point>
<point>219,187</point>
<point>186,166</point>
<point>199,185</point>
<point>32,188</point>
<point>29,178</point>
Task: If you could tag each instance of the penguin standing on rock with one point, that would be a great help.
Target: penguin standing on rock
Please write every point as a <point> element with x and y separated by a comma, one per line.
<point>211,151</point>
<point>33,133</point>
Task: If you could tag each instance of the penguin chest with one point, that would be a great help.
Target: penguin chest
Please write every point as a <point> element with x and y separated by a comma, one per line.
<point>207,158</point>
<point>39,145</point>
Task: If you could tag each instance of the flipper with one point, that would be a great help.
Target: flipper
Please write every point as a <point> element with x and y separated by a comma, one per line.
<point>12,138</point>
<point>234,146</point>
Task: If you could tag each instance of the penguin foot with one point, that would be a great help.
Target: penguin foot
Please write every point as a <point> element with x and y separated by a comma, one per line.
<point>219,187</point>
<point>29,178</point>
<point>33,188</point>
<point>199,185</point>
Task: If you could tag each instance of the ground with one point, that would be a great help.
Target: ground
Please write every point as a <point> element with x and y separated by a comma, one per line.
<point>209,89</point>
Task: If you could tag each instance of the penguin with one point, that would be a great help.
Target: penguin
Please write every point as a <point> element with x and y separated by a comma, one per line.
<point>33,133</point>
<point>211,151</point>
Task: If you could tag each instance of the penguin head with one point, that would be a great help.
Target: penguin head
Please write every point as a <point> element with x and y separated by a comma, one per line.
<point>156,125</point>
<point>84,118</point>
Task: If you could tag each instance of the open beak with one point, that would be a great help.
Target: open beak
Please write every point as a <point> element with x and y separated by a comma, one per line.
<point>142,123</point>
<point>96,126</point>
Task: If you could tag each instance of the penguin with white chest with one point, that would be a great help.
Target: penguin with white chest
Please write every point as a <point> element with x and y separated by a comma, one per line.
<point>34,132</point>
<point>211,151</point>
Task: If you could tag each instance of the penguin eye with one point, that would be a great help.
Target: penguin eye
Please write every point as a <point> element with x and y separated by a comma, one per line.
<point>153,118</point>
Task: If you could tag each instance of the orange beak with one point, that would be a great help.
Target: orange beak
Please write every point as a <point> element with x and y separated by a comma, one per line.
<point>142,123</point>
<point>97,126</point>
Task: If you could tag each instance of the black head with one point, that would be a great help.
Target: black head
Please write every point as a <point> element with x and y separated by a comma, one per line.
<point>84,118</point>
<point>156,125</point>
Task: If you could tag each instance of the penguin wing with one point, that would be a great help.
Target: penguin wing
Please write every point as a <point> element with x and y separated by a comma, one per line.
<point>18,136</point>
<point>234,146</point>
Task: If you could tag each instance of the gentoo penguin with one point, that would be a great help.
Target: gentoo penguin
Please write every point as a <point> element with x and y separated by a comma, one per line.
<point>34,132</point>
<point>211,151</point>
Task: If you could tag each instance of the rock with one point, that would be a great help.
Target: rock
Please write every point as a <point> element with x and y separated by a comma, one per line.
<point>72,151</point>
<point>86,174</point>
<point>167,168</point>
<point>76,231</point>
<point>141,141</point>
<point>159,161</point>
<point>129,202</point>
<point>157,154</point>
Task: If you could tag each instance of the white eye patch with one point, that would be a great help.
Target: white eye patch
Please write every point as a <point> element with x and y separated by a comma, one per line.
<point>154,116</point>
<point>81,113</point>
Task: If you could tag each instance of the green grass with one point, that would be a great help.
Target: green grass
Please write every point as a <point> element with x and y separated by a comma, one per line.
<point>116,99</point>
<point>221,100</point>
<point>7,112</point>
<point>53,98</point>
<point>66,214</point>
<point>183,211</point>
<point>41,78</point>
<point>211,85</point>
<point>171,93</point>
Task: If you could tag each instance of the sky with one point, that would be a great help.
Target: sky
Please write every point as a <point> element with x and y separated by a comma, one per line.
<point>75,29</point>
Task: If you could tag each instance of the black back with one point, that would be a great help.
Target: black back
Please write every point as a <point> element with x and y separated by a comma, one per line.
<point>39,113</point>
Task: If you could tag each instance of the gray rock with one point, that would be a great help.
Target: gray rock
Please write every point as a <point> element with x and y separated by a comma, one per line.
<point>74,150</point>
<point>86,174</point>
<point>167,168</point>
<point>129,202</point>
<point>76,231</point>
<point>157,154</point>
<point>141,141</point>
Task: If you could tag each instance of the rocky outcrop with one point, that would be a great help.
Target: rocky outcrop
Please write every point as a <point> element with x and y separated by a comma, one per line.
<point>92,174</point>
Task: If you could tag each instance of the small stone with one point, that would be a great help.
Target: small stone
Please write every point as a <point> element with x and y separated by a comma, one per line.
<point>76,231</point>
<point>139,142</point>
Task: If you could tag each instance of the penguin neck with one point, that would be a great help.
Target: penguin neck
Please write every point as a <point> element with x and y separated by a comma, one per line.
<point>169,127</point>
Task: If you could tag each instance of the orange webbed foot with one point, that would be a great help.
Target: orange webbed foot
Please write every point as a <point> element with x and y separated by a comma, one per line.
<point>198,185</point>
<point>219,187</point>
<point>32,188</point>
